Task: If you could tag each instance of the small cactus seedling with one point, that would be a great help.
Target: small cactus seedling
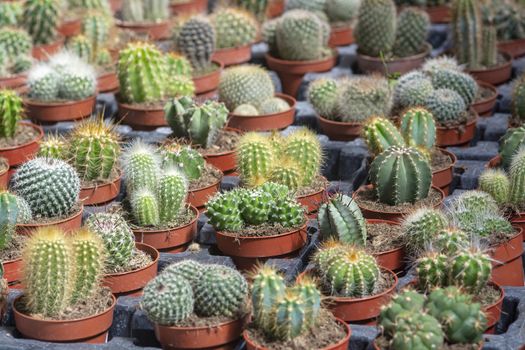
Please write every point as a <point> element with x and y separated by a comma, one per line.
<point>432,271</point>
<point>224,212</point>
<point>471,270</point>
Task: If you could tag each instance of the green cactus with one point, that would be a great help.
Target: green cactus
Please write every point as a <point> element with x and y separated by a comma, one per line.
<point>81,46</point>
<point>9,212</point>
<point>255,206</point>
<point>467,32</point>
<point>510,144</point>
<point>380,134</point>
<point>517,179</point>
<point>417,331</point>
<point>179,85</point>
<point>276,190</point>
<point>322,94</point>
<point>224,213</point>
<point>489,39</point>
<point>188,160</point>
<point>133,11</point>
<point>340,218</point>
<point>418,128</point>
<point>190,270</point>
<point>441,63</point>
<point>41,19</point>
<point>234,28</point>
<point>308,5</point>
<point>267,288</point>
<point>140,164</point>
<point>145,208</point>
<point>475,202</point>
<point>255,157</point>
<point>422,227</point>
<point>268,35</point>
<point>43,83</point>
<point>10,13</point>
<point>412,90</point>
<point>221,291</point>
<point>303,147</point>
<point>172,190</point>
<point>341,10</point>
<point>99,5</point>
<point>245,84</point>
<point>400,175</point>
<point>496,183</point>
<point>432,271</point>
<point>77,83</point>
<point>406,301</point>
<point>459,82</point>
<point>117,236</point>
<point>450,241</point>
<point>96,28</point>
<point>156,10</point>
<point>290,316</point>
<point>471,270</point>
<point>411,32</point>
<point>518,99</point>
<point>273,105</point>
<point>53,146</point>
<point>16,42</point>
<point>178,64</point>
<point>447,106</point>
<point>168,299</point>
<point>11,111</point>
<point>287,213</point>
<point>196,41</point>
<point>246,109</point>
<point>288,172</point>
<point>256,7</point>
<point>375,32</point>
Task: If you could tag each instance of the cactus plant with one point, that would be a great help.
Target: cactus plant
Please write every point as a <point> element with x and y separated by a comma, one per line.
<point>190,270</point>
<point>418,128</point>
<point>375,32</point>
<point>451,240</point>
<point>99,5</point>
<point>288,172</point>
<point>138,11</point>
<point>267,288</point>
<point>417,331</point>
<point>145,208</point>
<point>304,148</point>
<point>255,206</point>
<point>313,5</point>
<point>234,28</point>
<point>439,63</point>
<point>406,301</point>
<point>496,183</point>
<point>322,94</point>
<point>412,90</point>
<point>411,32</point>
<point>53,146</point>
<point>510,144</point>
<point>273,105</point>
<point>12,211</point>
<point>16,42</point>
<point>246,109</point>
<point>188,160</point>
<point>96,29</point>
<point>489,39</point>
<point>255,158</point>
<point>459,82</point>
<point>517,179</point>
<point>422,227</point>
<point>77,83</point>
<point>467,31</point>
<point>518,99</point>
<point>380,134</point>
<point>287,213</point>
<point>178,64</point>
<point>196,41</point>
<point>432,271</point>
<point>341,10</point>
<point>140,163</point>
<point>11,111</point>
<point>172,190</point>
<point>43,83</point>
<point>447,106</point>
<point>224,213</point>
<point>10,13</point>
<point>41,20</point>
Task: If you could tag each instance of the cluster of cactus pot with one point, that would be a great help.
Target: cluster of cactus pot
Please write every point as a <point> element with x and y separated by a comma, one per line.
<point>15,51</point>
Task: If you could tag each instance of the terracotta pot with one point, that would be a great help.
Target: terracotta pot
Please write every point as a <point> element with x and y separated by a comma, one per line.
<point>132,282</point>
<point>368,64</point>
<point>171,240</point>
<point>42,52</point>
<point>115,5</point>
<point>507,265</point>
<point>141,118</point>
<point>439,14</point>
<point>291,73</point>
<point>494,162</point>
<point>154,30</point>
<point>205,337</point>
<point>107,82</point>
<point>190,7</point>
<point>266,122</point>
<point>341,36</point>
<point>69,224</point>
<point>343,344</point>
<point>485,107</point>
<point>224,161</point>
<point>13,81</point>
<point>199,197</point>
<point>312,201</point>
<point>390,216</point>
<point>515,48</point>
<point>17,155</point>
<point>275,8</point>
<point>208,82</point>
<point>443,178</point>
<point>4,174</point>
<point>246,251</point>
<point>13,270</point>
<point>93,329</point>
<point>456,136</point>
<point>340,131</point>
<point>70,27</point>
<point>54,112</point>
<point>497,75</point>
<point>518,220</point>
<point>493,312</point>
<point>393,259</point>
<point>234,55</point>
<point>101,193</point>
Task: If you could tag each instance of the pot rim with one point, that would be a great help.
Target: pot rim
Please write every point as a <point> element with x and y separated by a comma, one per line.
<point>191,207</point>
<point>54,223</point>
<point>5,162</point>
<point>214,72</point>
<point>13,77</point>
<point>304,196</point>
<point>335,122</point>
<point>135,107</point>
<point>209,186</point>
<point>292,102</point>
<point>247,238</point>
<point>301,63</point>
<point>452,157</point>
<point>221,324</point>
<point>138,246</point>
<point>232,49</point>
<point>519,233</point>
<point>501,292</point>
<point>389,222</point>
<point>469,123</point>
<point>508,62</point>
<point>425,53</point>
<point>237,131</point>
<point>109,182</point>
<point>31,102</point>
<point>490,87</point>
<point>37,139</point>
<point>125,24</point>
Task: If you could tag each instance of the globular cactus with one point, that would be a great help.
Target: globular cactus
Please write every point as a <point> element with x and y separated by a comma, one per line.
<point>418,128</point>
<point>496,183</point>
<point>510,144</point>
<point>303,147</point>
<point>198,123</point>
<point>178,64</point>
<point>10,13</point>
<point>117,236</point>
<point>77,83</point>
<point>380,134</point>
<point>400,175</point>
<point>340,218</point>
<point>341,10</point>
<point>412,90</point>
<point>234,28</point>
<point>221,291</point>
<point>308,5</point>
<point>11,112</point>
<point>276,190</point>
<point>268,35</point>
<point>53,146</point>
<point>267,288</point>
<point>417,331</point>
<point>21,64</point>
<point>256,206</point>
<point>43,83</point>
<point>375,32</point>
<point>447,106</point>
<point>140,164</point>
<point>196,41</point>
<point>432,271</point>
<point>459,82</point>
<point>422,227</point>
<point>322,94</point>
<point>50,186</point>
<point>467,32</point>
<point>179,85</point>
<point>462,320</point>
<point>246,109</point>
<point>451,240</point>
<point>287,213</point>
<point>171,193</point>
<point>145,208</point>
<point>96,28</point>
<point>245,84</point>
<point>190,270</point>
<point>475,202</point>
<point>518,99</point>
<point>142,73</point>
<point>407,300</point>
<point>224,213</point>
<point>411,32</point>
<point>255,157</point>
<point>81,46</point>
<point>257,7</point>
<point>16,42</point>
<point>168,299</point>
<point>273,105</point>
<point>94,149</point>
<point>290,316</point>
<point>183,157</point>
<point>517,179</point>
<point>41,19</point>
<point>432,65</point>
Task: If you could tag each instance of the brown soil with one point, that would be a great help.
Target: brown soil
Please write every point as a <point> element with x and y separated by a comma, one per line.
<point>3,165</point>
<point>488,296</point>
<point>210,175</point>
<point>461,122</point>
<point>154,105</point>
<point>264,230</point>
<point>138,260</point>
<point>320,183</point>
<point>14,249</point>
<point>383,343</point>
<point>499,237</point>
<point>367,199</point>
<point>93,183</point>
<point>24,134</point>
<point>195,321</point>
<point>440,160</point>
<point>41,220</point>
<point>327,332</point>
<point>383,237</point>
<point>484,94</point>
<point>226,142</point>
<point>183,219</point>
<point>207,70</point>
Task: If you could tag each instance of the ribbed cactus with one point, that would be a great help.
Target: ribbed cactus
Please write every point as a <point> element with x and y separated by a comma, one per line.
<point>471,269</point>
<point>81,46</point>
<point>183,157</point>
<point>178,64</point>
<point>489,39</point>
<point>221,291</point>
<point>168,299</point>
<point>518,99</point>
<point>257,7</point>
<point>172,190</point>
<point>412,90</point>
<point>145,208</point>
<point>459,82</point>
<point>10,13</point>
<point>309,5</point>
<point>140,164</point>
<point>340,218</point>
<point>496,183</point>
<point>287,213</point>
<point>400,175</point>
<point>411,32</point>
<point>139,11</point>
<point>117,236</point>
<point>432,271</point>
<point>16,42</point>
<point>475,202</point>
<point>41,19</point>
<point>179,85</point>
<point>190,270</point>
<point>341,10</point>
<point>450,241</point>
<point>11,112</point>
<point>53,146</point>
<point>303,147</point>
<point>256,206</point>
<point>290,320</point>
<point>234,27</point>
<point>375,32</point>
<point>198,123</point>
<point>50,186</point>
<point>133,11</point>
<point>322,94</point>
<point>196,41</point>
<point>447,106</point>
<point>77,83</point>
<point>96,29</point>
<point>418,128</point>
<point>380,134</point>
<point>417,330</point>
<point>99,5</point>
<point>255,157</point>
<point>421,228</point>
<point>267,288</point>
<point>224,213</point>
<point>467,32</point>
<point>510,144</point>
<point>517,179</point>
<point>407,300</point>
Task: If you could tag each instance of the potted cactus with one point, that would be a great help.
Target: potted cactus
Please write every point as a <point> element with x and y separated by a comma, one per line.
<point>298,44</point>
<point>388,43</point>
<point>188,7</point>
<point>149,17</point>
<point>236,31</point>
<point>254,225</point>
<point>4,173</point>
<point>147,79</point>
<point>248,92</point>
<point>438,10</point>
<point>204,126</point>
<point>130,265</point>
<point>18,140</point>
<point>197,306</point>
<point>74,12</point>
<point>15,56</point>
<point>41,19</point>
<point>62,275</point>
<point>156,200</point>
<point>288,317</point>
<point>396,190</point>
<point>343,105</point>
<point>476,43</point>
<point>510,22</point>
<point>294,161</point>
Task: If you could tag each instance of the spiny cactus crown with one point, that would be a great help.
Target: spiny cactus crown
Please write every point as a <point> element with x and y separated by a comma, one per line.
<point>380,134</point>
<point>421,229</point>
<point>185,158</point>
<point>234,27</point>
<point>41,19</point>
<point>53,146</point>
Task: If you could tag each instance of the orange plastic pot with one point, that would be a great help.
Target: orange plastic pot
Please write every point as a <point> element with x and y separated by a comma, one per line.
<point>100,194</point>
<point>224,161</point>
<point>443,178</point>
<point>70,28</point>
<point>507,264</point>
<point>93,329</point>
<point>234,55</point>
<point>200,196</point>
<point>275,8</point>
<point>190,7</point>
<point>17,155</point>
<point>439,14</point>
<point>497,75</point>
<point>13,270</point>
<point>368,64</point>
<point>291,73</point>
<point>107,82</point>
<point>131,283</point>
<point>54,112</point>
<point>393,259</point>
<point>493,312</point>
<point>460,135</point>
<point>515,48</point>
<point>115,5</point>
<point>208,82</point>
<point>266,122</point>
<point>312,201</point>
<point>43,52</point>
<point>204,337</point>
<point>341,36</point>
<point>340,131</point>
<point>69,224</point>
<point>141,118</point>
<point>485,107</point>
<point>13,81</point>
<point>518,220</point>
<point>154,30</point>
<point>171,240</point>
